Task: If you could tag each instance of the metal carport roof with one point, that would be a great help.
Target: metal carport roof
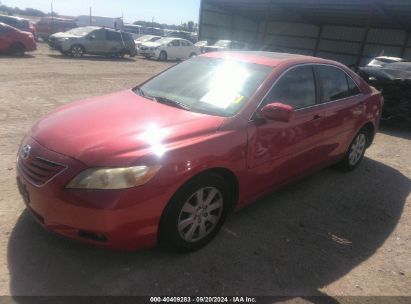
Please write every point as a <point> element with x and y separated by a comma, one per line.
<point>394,14</point>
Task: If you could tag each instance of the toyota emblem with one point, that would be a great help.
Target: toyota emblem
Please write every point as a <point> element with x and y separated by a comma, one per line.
<point>25,151</point>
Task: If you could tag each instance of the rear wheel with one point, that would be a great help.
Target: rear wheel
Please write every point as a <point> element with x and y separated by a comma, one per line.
<point>77,51</point>
<point>17,50</point>
<point>196,213</point>
<point>355,151</point>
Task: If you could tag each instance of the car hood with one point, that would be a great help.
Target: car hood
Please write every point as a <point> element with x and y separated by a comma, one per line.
<point>150,44</point>
<point>63,35</point>
<point>117,129</point>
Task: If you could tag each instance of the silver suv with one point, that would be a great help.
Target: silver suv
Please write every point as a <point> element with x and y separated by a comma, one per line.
<point>95,41</point>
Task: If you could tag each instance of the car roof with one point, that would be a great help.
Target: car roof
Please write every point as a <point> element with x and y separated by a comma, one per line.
<point>12,17</point>
<point>267,58</point>
<point>9,26</point>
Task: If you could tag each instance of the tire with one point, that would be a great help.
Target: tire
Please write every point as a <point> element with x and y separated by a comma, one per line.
<point>17,50</point>
<point>187,224</point>
<point>162,56</point>
<point>77,51</point>
<point>193,55</point>
<point>355,152</point>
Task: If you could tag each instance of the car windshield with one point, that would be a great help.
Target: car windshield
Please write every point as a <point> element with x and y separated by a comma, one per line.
<point>213,86</point>
<point>223,43</point>
<point>145,38</point>
<point>81,31</point>
<point>164,40</point>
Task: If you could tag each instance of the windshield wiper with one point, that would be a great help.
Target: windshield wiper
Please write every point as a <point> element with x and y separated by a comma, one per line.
<point>171,102</point>
<point>142,93</point>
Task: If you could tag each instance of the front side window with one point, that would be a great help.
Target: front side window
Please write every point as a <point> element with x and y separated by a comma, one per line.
<point>3,30</point>
<point>175,43</point>
<point>214,86</point>
<point>99,34</point>
<point>295,88</point>
<point>185,43</point>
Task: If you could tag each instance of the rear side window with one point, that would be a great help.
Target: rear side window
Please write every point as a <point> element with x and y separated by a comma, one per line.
<point>336,83</point>
<point>295,88</point>
<point>352,87</point>
<point>114,36</point>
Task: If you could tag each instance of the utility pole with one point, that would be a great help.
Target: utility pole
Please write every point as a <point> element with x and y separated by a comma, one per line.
<point>52,18</point>
<point>91,19</point>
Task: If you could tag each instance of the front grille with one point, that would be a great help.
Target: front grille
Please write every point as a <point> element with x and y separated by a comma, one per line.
<point>39,171</point>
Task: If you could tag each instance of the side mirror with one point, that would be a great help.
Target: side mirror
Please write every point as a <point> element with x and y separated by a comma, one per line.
<point>277,111</point>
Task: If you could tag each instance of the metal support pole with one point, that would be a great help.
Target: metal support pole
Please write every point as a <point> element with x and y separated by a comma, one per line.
<point>404,46</point>
<point>364,38</point>
<point>317,42</point>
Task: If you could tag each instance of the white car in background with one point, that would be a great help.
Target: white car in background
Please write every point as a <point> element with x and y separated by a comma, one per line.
<point>146,38</point>
<point>169,48</point>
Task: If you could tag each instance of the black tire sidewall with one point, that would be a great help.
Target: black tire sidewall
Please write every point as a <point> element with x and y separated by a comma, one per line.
<point>169,236</point>
<point>75,46</point>
<point>345,165</point>
<point>16,50</point>
<point>163,56</point>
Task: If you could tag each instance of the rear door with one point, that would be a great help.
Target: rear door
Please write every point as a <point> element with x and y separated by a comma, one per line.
<point>174,49</point>
<point>186,49</point>
<point>115,42</point>
<point>278,151</point>
<point>344,107</point>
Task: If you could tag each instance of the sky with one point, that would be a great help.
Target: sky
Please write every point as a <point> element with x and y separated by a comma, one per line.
<point>163,11</point>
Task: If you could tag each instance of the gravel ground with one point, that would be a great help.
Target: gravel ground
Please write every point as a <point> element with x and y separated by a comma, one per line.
<point>330,234</point>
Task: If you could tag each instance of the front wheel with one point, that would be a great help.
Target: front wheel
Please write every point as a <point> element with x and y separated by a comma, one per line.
<point>77,51</point>
<point>195,214</point>
<point>355,152</point>
<point>162,56</point>
<point>17,50</point>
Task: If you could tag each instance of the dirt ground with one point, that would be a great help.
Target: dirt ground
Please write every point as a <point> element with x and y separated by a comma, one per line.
<point>331,234</point>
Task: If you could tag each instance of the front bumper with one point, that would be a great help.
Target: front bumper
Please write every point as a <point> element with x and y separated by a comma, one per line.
<point>147,52</point>
<point>125,219</point>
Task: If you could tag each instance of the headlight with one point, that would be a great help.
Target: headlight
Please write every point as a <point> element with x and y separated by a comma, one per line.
<point>64,39</point>
<point>157,48</point>
<point>113,178</point>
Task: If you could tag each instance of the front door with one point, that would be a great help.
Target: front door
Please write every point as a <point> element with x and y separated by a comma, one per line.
<point>95,42</point>
<point>5,38</point>
<point>278,151</point>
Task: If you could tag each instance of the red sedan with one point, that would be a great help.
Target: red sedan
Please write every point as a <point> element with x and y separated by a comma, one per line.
<point>166,161</point>
<point>14,41</point>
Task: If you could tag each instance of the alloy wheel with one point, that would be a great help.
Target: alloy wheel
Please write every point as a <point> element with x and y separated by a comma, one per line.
<point>200,214</point>
<point>77,51</point>
<point>357,149</point>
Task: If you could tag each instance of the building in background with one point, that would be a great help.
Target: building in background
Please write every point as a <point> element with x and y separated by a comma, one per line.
<point>351,31</point>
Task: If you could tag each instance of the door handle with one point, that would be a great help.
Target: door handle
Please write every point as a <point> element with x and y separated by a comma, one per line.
<point>315,117</point>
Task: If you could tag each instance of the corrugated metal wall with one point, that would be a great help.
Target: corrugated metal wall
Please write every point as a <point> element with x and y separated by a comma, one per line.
<point>340,43</point>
